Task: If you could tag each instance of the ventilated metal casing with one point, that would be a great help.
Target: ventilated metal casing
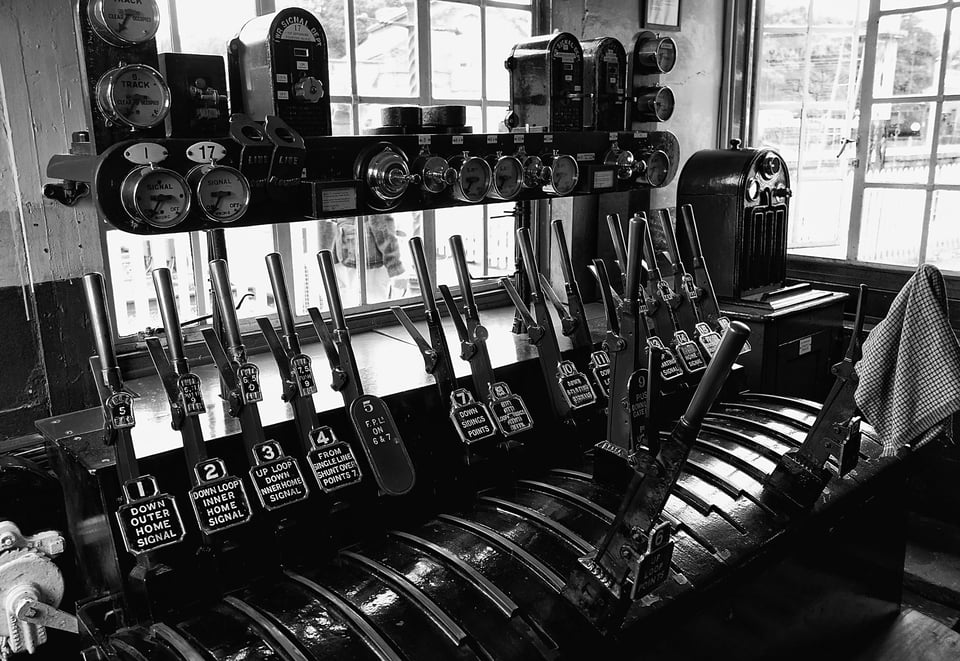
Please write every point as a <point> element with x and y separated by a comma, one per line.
<point>604,84</point>
<point>546,82</point>
<point>278,66</point>
<point>741,201</point>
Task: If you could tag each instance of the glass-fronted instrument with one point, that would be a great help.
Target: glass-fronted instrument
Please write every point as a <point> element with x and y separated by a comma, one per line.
<point>435,173</point>
<point>474,177</point>
<point>124,23</point>
<point>655,168</point>
<point>655,104</point>
<point>563,174</point>
<point>222,192</point>
<point>156,196</point>
<point>507,176</point>
<point>133,95</point>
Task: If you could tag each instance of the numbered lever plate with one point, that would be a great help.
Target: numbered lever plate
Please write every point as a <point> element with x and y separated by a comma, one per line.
<point>118,411</point>
<point>669,369</point>
<point>277,477</point>
<point>301,368</point>
<point>248,380</point>
<point>688,353</point>
<point>219,500</point>
<point>653,566</point>
<point>509,410</point>
<point>190,395</point>
<point>575,385</point>
<point>708,338</point>
<point>382,444</point>
<point>600,368</point>
<point>333,463</point>
<point>149,520</point>
<point>470,418</point>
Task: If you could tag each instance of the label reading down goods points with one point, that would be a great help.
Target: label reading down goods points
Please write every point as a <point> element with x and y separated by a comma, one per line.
<point>149,521</point>
<point>378,434</point>
<point>470,418</point>
<point>219,501</point>
<point>509,410</point>
<point>276,477</point>
<point>600,367</point>
<point>332,461</point>
<point>575,386</point>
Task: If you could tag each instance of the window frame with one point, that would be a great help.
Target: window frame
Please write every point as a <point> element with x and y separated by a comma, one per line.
<point>739,108</point>
<point>366,315</point>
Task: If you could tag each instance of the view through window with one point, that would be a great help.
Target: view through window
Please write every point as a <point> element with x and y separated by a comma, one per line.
<point>862,98</point>
<point>392,52</point>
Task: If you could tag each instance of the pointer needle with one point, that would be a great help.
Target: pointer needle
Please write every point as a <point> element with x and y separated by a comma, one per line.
<point>123,23</point>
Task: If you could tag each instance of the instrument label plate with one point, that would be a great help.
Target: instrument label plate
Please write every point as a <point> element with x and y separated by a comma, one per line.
<point>509,410</point>
<point>276,477</point>
<point>219,501</point>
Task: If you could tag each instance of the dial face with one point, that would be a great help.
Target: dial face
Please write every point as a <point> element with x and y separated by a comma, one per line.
<point>135,95</point>
<point>663,104</point>
<point>566,173</point>
<point>666,55</point>
<point>474,179</point>
<point>222,192</point>
<point>508,177</point>
<point>125,23</point>
<point>156,196</point>
<point>658,169</point>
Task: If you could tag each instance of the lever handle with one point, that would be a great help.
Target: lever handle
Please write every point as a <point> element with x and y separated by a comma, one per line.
<point>454,313</point>
<point>530,261</point>
<point>619,247</point>
<point>463,273</point>
<point>633,264</point>
<point>716,374</point>
<point>693,237</point>
<point>606,294</point>
<point>566,265</point>
<point>518,303</point>
<point>163,283</point>
<point>279,285</point>
<point>858,322</point>
<point>650,252</point>
<point>666,221</point>
<point>223,293</point>
<point>332,289</point>
<point>423,276</point>
<point>96,295</point>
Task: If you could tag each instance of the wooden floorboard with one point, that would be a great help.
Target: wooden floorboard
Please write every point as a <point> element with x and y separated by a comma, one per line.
<point>914,637</point>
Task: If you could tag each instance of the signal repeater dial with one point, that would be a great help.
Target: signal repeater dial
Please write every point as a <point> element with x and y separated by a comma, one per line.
<point>133,95</point>
<point>507,176</point>
<point>655,168</point>
<point>474,177</point>
<point>122,22</point>
<point>222,192</point>
<point>561,173</point>
<point>156,196</point>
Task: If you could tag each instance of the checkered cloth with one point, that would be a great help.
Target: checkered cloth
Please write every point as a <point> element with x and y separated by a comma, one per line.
<point>910,371</point>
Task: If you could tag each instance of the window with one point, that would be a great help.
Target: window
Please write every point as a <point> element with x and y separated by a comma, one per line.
<point>381,52</point>
<point>862,98</point>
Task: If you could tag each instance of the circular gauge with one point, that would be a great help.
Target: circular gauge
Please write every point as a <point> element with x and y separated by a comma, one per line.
<point>770,165</point>
<point>435,173</point>
<point>124,23</point>
<point>156,196</point>
<point>388,175</point>
<point>222,192</point>
<point>507,177</point>
<point>134,95</point>
<point>533,175</point>
<point>655,104</point>
<point>564,175</point>
<point>474,178</point>
<point>657,55</point>
<point>753,190</point>
<point>625,161</point>
<point>657,168</point>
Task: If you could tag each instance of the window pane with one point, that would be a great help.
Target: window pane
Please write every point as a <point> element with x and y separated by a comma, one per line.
<point>501,259</point>
<point>786,12</point>
<point>505,27</point>
<point>475,118</point>
<point>338,235</point>
<point>943,242</point>
<point>951,83</point>
<point>132,260</point>
<point>390,269</point>
<point>205,27</point>
<point>370,116</point>
<point>246,247</point>
<point>495,115</point>
<point>891,225</point>
<point>908,53</point>
<point>779,129</point>
<point>831,12</point>
<point>907,4</point>
<point>901,135</point>
<point>387,47</point>
<point>455,44</point>
<point>781,69</point>
<point>333,16</point>
<point>468,222</point>
<point>342,118</point>
<point>948,149</point>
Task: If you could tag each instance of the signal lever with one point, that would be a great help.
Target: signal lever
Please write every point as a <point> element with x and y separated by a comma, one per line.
<point>633,557</point>
<point>709,307</point>
<point>572,390</point>
<point>573,318</point>
<point>277,478</point>
<point>219,500</point>
<point>801,474</point>
<point>332,462</point>
<point>686,286</point>
<point>471,419</point>
<point>372,421</point>
<point>149,519</point>
<point>509,411</point>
